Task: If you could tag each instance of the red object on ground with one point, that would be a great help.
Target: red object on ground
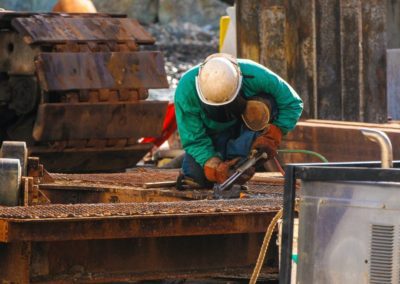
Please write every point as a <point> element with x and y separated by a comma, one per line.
<point>169,127</point>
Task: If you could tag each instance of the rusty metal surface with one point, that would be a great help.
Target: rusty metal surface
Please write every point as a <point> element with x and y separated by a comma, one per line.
<point>127,260</point>
<point>126,220</point>
<point>85,60</point>
<point>337,141</point>
<point>7,16</point>
<point>129,187</point>
<point>101,70</point>
<point>49,29</point>
<point>90,159</point>
<point>99,121</point>
<point>99,211</point>
<point>135,177</point>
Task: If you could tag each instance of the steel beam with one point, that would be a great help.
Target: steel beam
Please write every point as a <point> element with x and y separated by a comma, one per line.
<point>60,121</point>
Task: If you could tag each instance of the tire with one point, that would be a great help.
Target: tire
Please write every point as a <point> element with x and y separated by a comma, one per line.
<point>10,181</point>
<point>15,150</point>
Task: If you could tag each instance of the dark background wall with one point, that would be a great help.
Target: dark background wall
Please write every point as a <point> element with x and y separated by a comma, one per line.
<point>332,51</point>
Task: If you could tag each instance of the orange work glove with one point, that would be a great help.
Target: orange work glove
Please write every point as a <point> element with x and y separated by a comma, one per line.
<point>268,141</point>
<point>218,171</point>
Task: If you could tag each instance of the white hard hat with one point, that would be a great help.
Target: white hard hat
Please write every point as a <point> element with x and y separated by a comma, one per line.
<point>219,80</point>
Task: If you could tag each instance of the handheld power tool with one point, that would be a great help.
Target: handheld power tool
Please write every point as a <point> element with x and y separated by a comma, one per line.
<point>228,189</point>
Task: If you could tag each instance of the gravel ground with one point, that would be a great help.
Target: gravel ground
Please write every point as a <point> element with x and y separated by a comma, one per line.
<point>184,46</point>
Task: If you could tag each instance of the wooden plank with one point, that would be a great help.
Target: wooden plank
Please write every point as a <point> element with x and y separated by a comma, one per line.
<point>328,59</point>
<point>248,40</point>
<point>59,121</point>
<point>272,42</point>
<point>374,101</point>
<point>101,70</point>
<point>89,160</point>
<point>59,29</point>
<point>393,83</point>
<point>338,142</point>
<point>351,58</point>
<point>393,24</point>
<point>301,52</point>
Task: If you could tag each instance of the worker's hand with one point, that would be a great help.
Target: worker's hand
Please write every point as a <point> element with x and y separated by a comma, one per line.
<point>268,141</point>
<point>217,170</point>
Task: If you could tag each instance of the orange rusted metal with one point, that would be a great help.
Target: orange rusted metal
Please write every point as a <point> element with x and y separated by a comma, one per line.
<point>110,240</point>
<point>75,81</point>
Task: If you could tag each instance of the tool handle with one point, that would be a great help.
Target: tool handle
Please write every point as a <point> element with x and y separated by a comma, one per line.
<point>239,171</point>
<point>251,162</point>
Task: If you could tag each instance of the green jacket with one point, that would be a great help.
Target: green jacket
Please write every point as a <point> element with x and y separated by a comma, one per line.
<point>195,127</point>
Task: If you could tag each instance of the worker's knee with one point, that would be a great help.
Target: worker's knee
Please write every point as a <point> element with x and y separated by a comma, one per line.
<point>193,170</point>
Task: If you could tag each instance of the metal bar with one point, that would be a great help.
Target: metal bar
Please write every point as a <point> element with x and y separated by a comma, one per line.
<point>366,164</point>
<point>310,173</point>
<point>289,196</point>
<point>384,143</point>
<point>143,226</point>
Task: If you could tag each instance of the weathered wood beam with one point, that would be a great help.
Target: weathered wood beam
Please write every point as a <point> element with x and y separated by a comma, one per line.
<point>374,101</point>
<point>328,59</point>
<point>351,59</point>
<point>272,22</point>
<point>248,42</point>
<point>300,51</point>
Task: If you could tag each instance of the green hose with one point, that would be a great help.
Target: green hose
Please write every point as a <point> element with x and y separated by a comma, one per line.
<point>322,158</point>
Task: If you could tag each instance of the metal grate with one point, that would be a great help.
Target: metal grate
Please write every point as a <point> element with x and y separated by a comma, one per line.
<point>381,264</point>
<point>140,209</point>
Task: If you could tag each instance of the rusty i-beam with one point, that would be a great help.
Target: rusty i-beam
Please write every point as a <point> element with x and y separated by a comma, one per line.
<point>118,231</point>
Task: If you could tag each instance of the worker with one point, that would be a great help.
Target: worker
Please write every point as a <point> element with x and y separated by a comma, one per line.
<point>227,107</point>
<point>74,6</point>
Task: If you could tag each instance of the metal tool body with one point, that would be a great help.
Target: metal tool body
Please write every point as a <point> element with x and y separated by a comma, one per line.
<point>228,185</point>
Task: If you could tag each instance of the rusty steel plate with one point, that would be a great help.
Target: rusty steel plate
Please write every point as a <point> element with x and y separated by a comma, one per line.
<point>59,29</point>
<point>101,70</point>
<point>109,159</point>
<point>124,220</point>
<point>79,211</point>
<point>60,121</point>
<point>131,187</point>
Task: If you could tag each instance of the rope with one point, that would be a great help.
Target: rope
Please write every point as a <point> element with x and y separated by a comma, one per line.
<point>264,247</point>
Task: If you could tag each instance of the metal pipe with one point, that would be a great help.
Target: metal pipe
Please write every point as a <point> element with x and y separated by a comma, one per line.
<point>383,140</point>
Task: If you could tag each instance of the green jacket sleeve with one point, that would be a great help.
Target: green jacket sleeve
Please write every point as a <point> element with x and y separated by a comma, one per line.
<point>290,105</point>
<point>191,128</point>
